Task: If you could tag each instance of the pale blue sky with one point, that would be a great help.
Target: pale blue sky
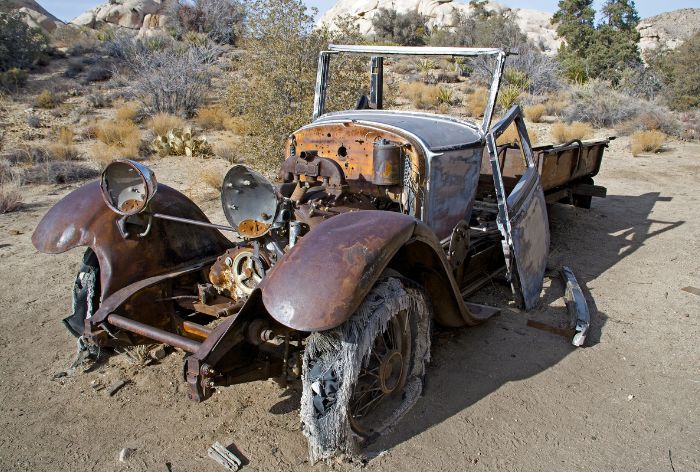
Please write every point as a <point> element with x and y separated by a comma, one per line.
<point>66,10</point>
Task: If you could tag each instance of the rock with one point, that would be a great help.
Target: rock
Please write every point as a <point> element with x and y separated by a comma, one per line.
<point>125,13</point>
<point>535,24</point>
<point>158,353</point>
<point>125,454</point>
<point>668,30</point>
<point>35,15</point>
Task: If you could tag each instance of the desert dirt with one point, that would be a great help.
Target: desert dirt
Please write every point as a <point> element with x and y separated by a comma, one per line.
<point>501,396</point>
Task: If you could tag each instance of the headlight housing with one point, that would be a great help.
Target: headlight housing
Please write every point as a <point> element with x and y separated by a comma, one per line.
<point>128,186</point>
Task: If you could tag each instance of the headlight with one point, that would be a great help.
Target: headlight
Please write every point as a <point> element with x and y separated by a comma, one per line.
<point>249,201</point>
<point>128,186</point>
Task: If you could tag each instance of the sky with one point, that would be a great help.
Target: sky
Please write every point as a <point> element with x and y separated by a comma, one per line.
<point>66,10</point>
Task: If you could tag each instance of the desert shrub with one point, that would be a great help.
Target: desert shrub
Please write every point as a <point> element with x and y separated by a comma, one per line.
<point>13,79</point>
<point>47,99</point>
<point>170,78</point>
<point>446,96</point>
<point>26,154</point>
<point>476,102</point>
<point>74,68</point>
<point>120,133</point>
<point>228,150</point>
<point>20,46</point>
<point>58,172</point>
<point>62,149</point>
<point>563,133</point>
<point>689,124</point>
<point>511,136</point>
<point>103,154</point>
<point>98,74</point>
<point>238,125</point>
<point>99,100</point>
<point>161,123</point>
<point>508,96</point>
<point>557,103</point>
<point>647,141</point>
<point>274,95</point>
<point>680,73</point>
<point>406,29</point>
<point>220,20</point>
<point>33,121</point>
<point>422,96</point>
<point>212,178</point>
<point>10,196</point>
<point>534,113</point>
<point>212,118</point>
<point>127,110</point>
<point>596,102</point>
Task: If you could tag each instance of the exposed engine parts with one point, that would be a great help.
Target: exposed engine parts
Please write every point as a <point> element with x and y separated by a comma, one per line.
<point>237,272</point>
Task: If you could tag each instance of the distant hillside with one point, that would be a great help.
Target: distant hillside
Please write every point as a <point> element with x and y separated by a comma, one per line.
<point>668,29</point>
<point>36,15</point>
<point>534,23</point>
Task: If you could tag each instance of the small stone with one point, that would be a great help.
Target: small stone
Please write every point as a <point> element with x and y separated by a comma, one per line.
<point>125,454</point>
<point>630,397</point>
<point>158,353</point>
<point>59,375</point>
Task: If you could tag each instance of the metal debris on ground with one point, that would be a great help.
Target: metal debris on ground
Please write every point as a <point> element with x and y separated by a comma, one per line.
<point>577,306</point>
<point>116,387</point>
<point>224,457</point>
<point>125,453</point>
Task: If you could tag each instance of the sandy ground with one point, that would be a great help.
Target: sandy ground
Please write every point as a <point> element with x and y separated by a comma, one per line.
<point>502,396</point>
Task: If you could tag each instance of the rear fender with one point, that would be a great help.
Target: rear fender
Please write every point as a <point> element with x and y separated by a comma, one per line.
<point>82,218</point>
<point>322,280</point>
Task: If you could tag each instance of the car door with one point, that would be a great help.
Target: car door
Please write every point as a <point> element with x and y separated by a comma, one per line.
<point>522,216</point>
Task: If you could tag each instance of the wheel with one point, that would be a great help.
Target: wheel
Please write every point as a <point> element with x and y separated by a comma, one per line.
<point>360,378</point>
<point>86,294</point>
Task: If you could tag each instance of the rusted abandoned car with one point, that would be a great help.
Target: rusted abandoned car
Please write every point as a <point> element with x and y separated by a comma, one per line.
<point>383,222</point>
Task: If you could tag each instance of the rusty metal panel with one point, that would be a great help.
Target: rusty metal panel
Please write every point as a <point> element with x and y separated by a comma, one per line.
<point>452,185</point>
<point>319,283</point>
<point>82,218</point>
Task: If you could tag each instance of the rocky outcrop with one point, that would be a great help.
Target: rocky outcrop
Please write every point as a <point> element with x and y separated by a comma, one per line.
<point>34,14</point>
<point>668,30</point>
<point>536,24</point>
<point>132,14</point>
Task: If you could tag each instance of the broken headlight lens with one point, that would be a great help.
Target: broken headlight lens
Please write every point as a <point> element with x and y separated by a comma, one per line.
<point>128,186</point>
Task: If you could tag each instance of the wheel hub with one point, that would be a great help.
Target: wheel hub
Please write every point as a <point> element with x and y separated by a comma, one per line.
<point>390,371</point>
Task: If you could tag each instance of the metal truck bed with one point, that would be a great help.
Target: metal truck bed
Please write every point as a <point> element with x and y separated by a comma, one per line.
<point>566,170</point>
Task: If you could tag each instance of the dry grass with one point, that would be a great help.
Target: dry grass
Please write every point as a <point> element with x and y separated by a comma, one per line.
<point>119,140</point>
<point>476,101</point>
<point>103,154</point>
<point>161,123</point>
<point>121,133</point>
<point>647,141</point>
<point>421,95</point>
<point>227,149</point>
<point>510,136</point>
<point>214,118</point>
<point>563,133</point>
<point>47,99</point>
<point>212,178</point>
<point>126,111</point>
<point>535,113</point>
<point>238,125</point>
<point>63,149</point>
<point>10,196</point>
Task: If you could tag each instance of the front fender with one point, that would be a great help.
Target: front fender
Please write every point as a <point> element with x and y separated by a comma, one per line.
<point>322,280</point>
<point>82,218</point>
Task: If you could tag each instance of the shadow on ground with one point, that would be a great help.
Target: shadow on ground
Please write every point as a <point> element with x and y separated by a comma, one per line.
<point>469,364</point>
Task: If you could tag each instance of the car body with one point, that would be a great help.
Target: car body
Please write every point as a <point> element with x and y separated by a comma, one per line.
<point>371,205</point>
